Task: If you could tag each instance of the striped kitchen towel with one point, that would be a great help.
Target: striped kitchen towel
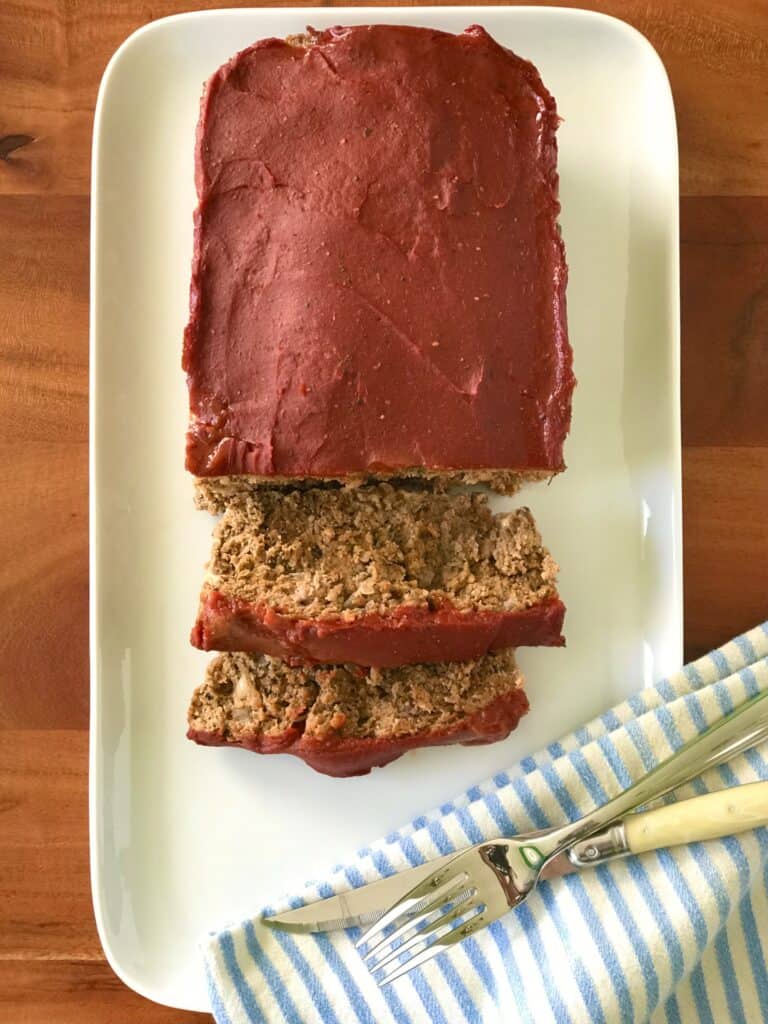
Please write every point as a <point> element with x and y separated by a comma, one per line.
<point>670,936</point>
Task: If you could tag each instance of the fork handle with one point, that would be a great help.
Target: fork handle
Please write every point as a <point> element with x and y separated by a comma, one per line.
<point>729,736</point>
<point>723,813</point>
<point>711,816</point>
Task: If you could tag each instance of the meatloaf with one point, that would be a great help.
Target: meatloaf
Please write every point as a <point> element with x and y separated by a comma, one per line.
<point>344,720</point>
<point>376,576</point>
<point>378,280</point>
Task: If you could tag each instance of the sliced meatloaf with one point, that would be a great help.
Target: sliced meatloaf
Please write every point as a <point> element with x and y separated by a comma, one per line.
<point>378,279</point>
<point>376,576</point>
<point>344,720</point>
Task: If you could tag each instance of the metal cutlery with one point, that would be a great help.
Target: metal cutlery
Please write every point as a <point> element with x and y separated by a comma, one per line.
<point>723,813</point>
<point>476,887</point>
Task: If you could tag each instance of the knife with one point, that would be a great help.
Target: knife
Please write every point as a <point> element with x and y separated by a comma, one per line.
<point>711,816</point>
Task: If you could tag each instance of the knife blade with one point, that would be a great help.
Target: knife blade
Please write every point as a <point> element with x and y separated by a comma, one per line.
<point>365,905</point>
<point>711,816</point>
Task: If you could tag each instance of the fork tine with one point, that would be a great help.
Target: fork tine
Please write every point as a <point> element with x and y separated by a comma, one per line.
<point>458,911</point>
<point>419,914</point>
<point>436,946</point>
<point>410,900</point>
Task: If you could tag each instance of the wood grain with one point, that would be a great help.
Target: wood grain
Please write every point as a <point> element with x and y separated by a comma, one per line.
<point>52,56</point>
<point>725,543</point>
<point>45,904</point>
<point>45,910</point>
<point>77,993</point>
<point>724,297</point>
<point>44,459</point>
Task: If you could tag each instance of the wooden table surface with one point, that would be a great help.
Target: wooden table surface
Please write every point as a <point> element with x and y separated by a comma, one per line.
<point>52,54</point>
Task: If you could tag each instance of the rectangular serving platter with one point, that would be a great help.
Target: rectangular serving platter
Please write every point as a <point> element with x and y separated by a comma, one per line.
<point>184,839</point>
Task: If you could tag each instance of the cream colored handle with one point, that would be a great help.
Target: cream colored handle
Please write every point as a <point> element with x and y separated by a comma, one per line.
<point>712,816</point>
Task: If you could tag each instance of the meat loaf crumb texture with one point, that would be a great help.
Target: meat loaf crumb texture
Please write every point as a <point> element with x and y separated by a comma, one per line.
<point>378,281</point>
<point>376,576</point>
<point>342,720</point>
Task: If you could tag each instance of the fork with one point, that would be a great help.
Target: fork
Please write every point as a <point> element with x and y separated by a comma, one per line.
<point>479,885</point>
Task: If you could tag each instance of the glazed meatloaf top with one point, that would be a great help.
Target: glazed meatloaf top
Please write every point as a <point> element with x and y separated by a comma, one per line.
<point>378,277</point>
<point>343,720</point>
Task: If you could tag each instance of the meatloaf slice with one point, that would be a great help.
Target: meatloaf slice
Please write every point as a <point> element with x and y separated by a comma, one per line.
<point>344,720</point>
<point>378,278</point>
<point>376,576</point>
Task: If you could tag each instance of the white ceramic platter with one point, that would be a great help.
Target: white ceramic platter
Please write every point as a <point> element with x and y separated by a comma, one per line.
<point>184,838</point>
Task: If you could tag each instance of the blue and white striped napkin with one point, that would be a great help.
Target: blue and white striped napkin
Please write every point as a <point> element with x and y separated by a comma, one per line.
<point>670,936</point>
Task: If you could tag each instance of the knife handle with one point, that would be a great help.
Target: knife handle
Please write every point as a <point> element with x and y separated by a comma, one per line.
<point>711,816</point>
